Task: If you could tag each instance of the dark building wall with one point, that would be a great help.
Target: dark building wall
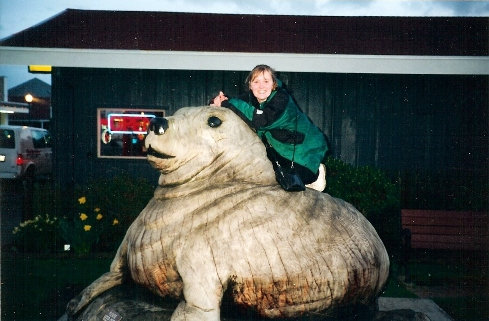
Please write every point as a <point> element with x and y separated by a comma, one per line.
<point>78,92</point>
<point>401,123</point>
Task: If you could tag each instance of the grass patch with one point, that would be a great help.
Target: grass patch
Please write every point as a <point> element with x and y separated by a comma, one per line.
<point>38,288</point>
<point>396,289</point>
<point>468,308</point>
<point>458,281</point>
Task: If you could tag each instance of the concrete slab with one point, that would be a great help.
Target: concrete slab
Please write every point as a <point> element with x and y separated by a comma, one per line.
<point>426,306</point>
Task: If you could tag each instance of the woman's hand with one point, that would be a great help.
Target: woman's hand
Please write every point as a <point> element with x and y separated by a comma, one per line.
<point>219,99</point>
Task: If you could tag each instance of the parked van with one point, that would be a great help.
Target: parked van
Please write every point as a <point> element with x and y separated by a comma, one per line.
<point>25,152</point>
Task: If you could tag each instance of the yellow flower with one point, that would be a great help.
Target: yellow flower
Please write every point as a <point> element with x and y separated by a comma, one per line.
<point>82,200</point>
<point>83,216</point>
<point>96,210</point>
<point>87,228</point>
<point>99,216</point>
<point>115,222</point>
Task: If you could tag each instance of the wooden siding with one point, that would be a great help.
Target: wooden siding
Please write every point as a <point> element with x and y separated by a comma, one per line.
<point>401,123</point>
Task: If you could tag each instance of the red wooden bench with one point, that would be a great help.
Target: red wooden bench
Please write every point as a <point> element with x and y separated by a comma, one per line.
<point>448,230</point>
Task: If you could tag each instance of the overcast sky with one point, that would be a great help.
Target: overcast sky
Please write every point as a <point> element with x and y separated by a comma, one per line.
<point>17,15</point>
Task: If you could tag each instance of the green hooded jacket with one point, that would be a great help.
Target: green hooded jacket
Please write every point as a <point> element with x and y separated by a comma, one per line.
<point>288,130</point>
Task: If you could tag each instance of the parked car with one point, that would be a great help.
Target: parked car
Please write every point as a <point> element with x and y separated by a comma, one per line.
<point>25,152</point>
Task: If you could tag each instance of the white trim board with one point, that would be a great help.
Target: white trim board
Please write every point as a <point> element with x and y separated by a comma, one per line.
<point>199,60</point>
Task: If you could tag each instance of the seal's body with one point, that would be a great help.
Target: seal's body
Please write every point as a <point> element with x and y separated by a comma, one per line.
<point>219,221</point>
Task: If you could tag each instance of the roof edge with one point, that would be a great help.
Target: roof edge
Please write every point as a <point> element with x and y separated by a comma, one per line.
<point>47,20</point>
<point>239,61</point>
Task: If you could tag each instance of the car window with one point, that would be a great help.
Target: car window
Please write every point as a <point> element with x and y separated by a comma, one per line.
<point>41,139</point>
<point>7,138</point>
<point>47,138</point>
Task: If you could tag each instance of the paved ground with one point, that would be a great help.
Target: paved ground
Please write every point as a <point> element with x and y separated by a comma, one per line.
<point>425,306</point>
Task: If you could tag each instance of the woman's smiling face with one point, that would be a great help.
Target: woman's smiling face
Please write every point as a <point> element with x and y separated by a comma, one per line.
<point>262,85</point>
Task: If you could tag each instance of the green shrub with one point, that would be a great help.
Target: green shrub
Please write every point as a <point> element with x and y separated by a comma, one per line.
<point>367,188</point>
<point>39,235</point>
<point>119,200</point>
<point>97,220</point>
<point>83,232</point>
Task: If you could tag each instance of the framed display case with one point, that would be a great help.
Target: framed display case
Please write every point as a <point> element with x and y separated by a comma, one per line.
<point>121,131</point>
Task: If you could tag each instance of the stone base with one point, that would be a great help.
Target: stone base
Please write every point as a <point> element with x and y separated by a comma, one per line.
<point>130,302</point>
<point>424,306</point>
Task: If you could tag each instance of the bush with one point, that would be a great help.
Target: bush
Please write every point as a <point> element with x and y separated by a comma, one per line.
<point>119,200</point>
<point>84,231</point>
<point>39,235</point>
<point>97,220</point>
<point>367,188</point>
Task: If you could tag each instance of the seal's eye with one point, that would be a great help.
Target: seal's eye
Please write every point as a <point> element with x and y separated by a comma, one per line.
<point>213,121</point>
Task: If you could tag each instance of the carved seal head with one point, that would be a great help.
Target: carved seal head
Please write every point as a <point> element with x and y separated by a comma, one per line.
<point>206,145</point>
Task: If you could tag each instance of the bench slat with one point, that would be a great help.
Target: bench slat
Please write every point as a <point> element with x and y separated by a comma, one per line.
<point>431,229</point>
<point>449,246</point>
<point>442,221</point>
<point>477,230</point>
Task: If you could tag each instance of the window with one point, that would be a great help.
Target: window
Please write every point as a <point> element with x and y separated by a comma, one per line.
<point>41,139</point>
<point>121,132</point>
<point>7,139</point>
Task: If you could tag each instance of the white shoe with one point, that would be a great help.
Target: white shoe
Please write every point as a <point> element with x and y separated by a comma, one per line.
<point>320,183</point>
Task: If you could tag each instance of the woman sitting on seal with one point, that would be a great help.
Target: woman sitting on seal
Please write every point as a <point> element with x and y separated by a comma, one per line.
<point>293,142</point>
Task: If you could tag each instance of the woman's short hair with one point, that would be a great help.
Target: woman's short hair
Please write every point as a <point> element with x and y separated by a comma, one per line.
<point>259,70</point>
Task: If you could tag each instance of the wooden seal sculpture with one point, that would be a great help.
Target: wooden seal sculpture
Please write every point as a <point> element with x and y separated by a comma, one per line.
<point>219,222</point>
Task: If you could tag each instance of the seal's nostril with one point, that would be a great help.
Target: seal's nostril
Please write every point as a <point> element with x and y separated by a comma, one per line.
<point>158,125</point>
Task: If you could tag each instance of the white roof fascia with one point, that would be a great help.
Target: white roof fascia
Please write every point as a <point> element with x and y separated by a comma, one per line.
<point>11,110</point>
<point>200,60</point>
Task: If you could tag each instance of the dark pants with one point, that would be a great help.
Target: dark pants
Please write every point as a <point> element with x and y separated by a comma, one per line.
<point>306,175</point>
